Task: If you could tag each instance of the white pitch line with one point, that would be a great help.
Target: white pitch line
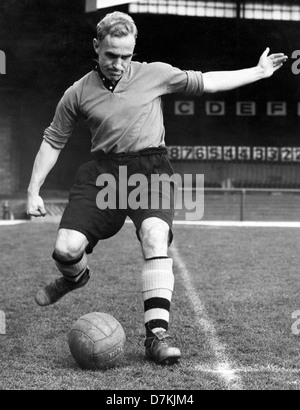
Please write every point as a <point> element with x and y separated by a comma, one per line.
<point>251,369</point>
<point>13,222</point>
<point>238,224</point>
<point>223,367</point>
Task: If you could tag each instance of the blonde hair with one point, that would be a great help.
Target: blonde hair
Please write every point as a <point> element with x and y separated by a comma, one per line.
<point>116,24</point>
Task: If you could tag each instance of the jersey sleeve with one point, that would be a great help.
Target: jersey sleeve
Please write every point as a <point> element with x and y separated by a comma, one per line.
<point>184,81</point>
<point>64,121</point>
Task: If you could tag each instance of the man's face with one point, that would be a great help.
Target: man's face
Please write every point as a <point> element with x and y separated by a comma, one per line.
<point>115,55</point>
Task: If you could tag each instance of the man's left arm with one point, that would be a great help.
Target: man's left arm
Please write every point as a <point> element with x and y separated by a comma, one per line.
<point>216,81</point>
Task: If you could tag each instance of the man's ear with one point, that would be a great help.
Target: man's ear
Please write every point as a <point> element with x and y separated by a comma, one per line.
<point>96,45</point>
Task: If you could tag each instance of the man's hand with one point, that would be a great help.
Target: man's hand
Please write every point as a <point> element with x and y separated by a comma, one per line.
<point>35,206</point>
<point>268,64</point>
<point>216,81</point>
<point>45,160</point>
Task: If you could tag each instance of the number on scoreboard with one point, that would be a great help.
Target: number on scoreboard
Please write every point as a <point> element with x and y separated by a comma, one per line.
<point>229,153</point>
<point>259,153</point>
<point>273,154</point>
<point>214,153</point>
<point>200,153</point>
<point>187,153</point>
<point>244,153</point>
<point>296,154</point>
<point>286,154</point>
<point>174,153</point>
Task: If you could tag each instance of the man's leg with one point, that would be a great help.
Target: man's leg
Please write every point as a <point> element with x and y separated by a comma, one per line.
<point>71,260</point>
<point>157,287</point>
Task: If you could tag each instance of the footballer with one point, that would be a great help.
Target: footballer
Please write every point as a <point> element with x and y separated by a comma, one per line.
<point>120,102</point>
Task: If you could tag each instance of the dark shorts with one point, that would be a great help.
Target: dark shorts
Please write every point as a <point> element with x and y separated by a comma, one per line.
<point>101,198</point>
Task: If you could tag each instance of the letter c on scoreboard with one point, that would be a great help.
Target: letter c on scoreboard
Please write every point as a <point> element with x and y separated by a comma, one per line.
<point>184,108</point>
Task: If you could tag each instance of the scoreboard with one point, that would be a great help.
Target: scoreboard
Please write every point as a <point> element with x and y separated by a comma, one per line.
<point>234,153</point>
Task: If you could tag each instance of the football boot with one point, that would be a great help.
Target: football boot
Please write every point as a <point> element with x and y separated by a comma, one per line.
<point>59,288</point>
<point>158,350</point>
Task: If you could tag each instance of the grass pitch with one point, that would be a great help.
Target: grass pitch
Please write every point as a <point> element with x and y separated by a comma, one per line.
<point>245,279</point>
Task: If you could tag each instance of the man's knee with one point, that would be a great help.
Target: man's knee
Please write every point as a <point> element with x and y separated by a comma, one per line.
<point>154,236</point>
<point>69,245</point>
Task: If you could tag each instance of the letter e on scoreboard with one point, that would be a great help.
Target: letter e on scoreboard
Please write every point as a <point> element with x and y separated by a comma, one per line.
<point>245,108</point>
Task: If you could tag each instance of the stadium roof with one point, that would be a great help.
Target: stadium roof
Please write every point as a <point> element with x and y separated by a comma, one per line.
<point>288,10</point>
<point>93,5</point>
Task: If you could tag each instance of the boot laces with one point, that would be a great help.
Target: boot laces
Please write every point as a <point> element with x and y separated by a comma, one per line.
<point>161,337</point>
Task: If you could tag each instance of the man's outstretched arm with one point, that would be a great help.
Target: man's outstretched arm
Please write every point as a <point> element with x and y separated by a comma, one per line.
<point>45,160</point>
<point>216,81</point>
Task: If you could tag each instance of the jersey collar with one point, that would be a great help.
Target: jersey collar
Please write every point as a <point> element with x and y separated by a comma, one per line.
<point>109,85</point>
